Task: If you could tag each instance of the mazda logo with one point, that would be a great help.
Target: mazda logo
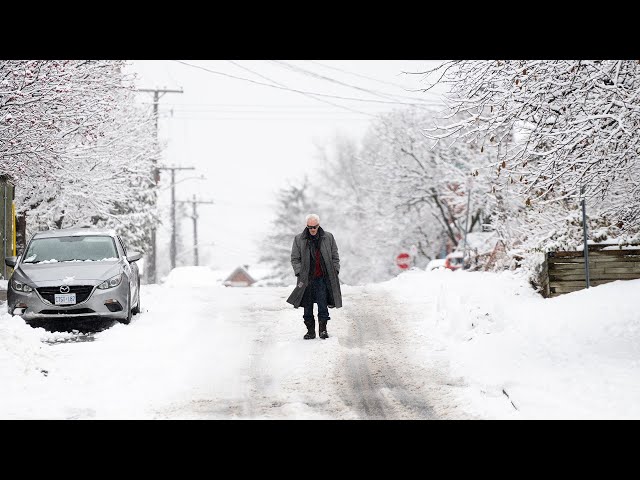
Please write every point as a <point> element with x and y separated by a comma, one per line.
<point>64,289</point>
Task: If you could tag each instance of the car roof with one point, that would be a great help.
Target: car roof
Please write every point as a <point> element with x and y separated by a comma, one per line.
<point>74,231</point>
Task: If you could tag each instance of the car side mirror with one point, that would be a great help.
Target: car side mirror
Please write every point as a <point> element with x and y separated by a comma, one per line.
<point>11,261</point>
<point>134,257</point>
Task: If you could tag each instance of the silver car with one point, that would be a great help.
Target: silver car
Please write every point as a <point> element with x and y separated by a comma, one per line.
<point>79,273</point>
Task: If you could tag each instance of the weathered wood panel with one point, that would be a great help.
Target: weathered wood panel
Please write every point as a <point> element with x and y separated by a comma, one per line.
<point>592,258</point>
<point>566,270</point>
<point>613,252</point>
<point>7,225</point>
<point>592,277</point>
<point>593,265</point>
<point>565,288</point>
<point>596,270</point>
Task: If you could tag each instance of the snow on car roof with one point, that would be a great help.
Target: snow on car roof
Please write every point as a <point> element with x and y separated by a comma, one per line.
<point>75,231</point>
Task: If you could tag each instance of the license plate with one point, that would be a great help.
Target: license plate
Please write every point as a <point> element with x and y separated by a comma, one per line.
<point>65,298</point>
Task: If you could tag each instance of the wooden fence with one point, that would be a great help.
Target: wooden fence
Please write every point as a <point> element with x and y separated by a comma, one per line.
<point>7,224</point>
<point>566,273</point>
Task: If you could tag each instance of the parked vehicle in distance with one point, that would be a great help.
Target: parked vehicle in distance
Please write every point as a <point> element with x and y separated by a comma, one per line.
<point>436,264</point>
<point>454,260</point>
<point>80,273</point>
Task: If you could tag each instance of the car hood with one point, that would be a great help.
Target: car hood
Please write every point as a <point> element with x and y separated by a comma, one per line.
<point>69,273</point>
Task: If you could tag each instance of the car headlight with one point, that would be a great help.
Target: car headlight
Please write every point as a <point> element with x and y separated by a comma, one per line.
<point>112,282</point>
<point>21,287</point>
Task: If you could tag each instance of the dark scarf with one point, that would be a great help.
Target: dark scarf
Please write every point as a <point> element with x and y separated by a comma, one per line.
<point>314,239</point>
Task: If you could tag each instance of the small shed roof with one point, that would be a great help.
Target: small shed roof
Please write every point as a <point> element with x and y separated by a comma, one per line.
<point>242,272</point>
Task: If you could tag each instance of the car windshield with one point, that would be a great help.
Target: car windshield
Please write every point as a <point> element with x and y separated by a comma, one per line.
<point>68,249</point>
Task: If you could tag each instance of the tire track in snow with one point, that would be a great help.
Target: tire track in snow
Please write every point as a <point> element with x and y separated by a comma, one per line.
<point>258,403</point>
<point>373,373</point>
<point>378,387</point>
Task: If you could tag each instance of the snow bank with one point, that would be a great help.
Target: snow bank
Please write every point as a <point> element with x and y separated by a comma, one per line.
<point>194,277</point>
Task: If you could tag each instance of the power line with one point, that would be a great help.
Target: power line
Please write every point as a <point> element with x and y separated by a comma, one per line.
<point>293,89</point>
<point>296,119</point>
<point>253,105</point>
<point>306,94</point>
<point>217,110</point>
<point>333,80</point>
<point>269,116</point>
<point>268,110</point>
<point>365,76</point>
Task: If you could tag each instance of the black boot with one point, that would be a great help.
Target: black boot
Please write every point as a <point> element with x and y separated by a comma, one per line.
<point>311,329</point>
<point>322,328</point>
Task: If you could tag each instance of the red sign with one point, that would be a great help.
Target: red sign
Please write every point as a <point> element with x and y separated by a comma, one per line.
<point>403,259</point>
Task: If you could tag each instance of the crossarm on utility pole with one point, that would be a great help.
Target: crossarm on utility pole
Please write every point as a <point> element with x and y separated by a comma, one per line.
<point>173,210</point>
<point>194,217</point>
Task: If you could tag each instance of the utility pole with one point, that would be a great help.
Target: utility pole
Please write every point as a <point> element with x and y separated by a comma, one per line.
<point>194,217</point>
<point>466,223</point>
<point>173,210</point>
<point>151,268</point>
<point>584,234</point>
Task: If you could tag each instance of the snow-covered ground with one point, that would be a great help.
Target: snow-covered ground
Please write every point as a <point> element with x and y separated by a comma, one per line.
<point>435,344</point>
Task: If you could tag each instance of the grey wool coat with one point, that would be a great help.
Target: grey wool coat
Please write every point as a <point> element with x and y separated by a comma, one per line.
<point>301,263</point>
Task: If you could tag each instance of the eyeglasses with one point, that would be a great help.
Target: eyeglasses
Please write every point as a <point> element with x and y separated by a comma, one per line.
<point>312,227</point>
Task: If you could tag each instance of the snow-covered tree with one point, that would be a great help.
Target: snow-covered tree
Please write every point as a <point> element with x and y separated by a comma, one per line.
<point>434,186</point>
<point>103,183</point>
<point>46,104</point>
<point>349,207</point>
<point>86,149</point>
<point>392,193</point>
<point>555,127</point>
<point>294,202</point>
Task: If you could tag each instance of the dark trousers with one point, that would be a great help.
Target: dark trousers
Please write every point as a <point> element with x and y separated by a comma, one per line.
<point>318,295</point>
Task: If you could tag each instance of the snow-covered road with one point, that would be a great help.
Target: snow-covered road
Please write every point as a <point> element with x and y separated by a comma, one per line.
<point>424,345</point>
<point>363,371</point>
<point>212,352</point>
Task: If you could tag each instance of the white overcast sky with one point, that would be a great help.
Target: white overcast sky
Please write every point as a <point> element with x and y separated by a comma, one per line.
<point>250,140</point>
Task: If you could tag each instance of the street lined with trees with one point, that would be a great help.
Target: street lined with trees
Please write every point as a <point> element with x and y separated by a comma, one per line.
<point>519,145</point>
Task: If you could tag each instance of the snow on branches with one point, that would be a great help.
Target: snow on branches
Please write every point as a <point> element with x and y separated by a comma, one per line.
<point>574,122</point>
<point>78,149</point>
<point>553,127</point>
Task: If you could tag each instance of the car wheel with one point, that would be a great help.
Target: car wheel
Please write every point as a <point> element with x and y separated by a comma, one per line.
<point>136,309</point>
<point>127,320</point>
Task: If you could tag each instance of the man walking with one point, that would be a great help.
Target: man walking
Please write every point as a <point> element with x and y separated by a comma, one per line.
<point>316,264</point>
